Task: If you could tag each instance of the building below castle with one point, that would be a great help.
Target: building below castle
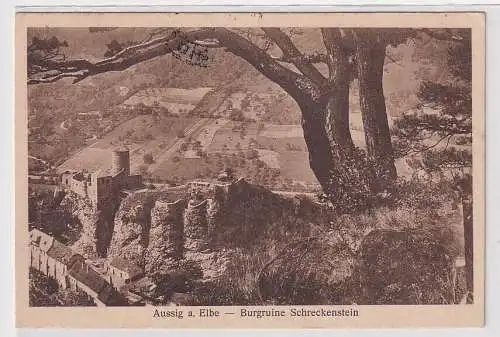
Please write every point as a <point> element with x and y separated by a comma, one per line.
<point>67,268</point>
<point>102,186</point>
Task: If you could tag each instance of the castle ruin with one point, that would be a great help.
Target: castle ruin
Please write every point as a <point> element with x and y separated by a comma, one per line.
<point>102,186</point>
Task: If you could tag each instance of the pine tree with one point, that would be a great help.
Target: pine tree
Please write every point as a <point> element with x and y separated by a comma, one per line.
<point>439,133</point>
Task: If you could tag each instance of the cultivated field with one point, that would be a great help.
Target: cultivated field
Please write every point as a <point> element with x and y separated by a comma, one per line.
<point>176,100</point>
<point>184,148</point>
<point>233,136</point>
<point>141,135</point>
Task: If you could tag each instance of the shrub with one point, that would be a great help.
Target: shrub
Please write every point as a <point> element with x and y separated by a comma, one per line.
<point>251,154</point>
<point>403,267</point>
<point>148,158</point>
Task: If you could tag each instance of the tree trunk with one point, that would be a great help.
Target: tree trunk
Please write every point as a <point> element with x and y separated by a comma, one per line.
<point>340,74</point>
<point>318,144</point>
<point>331,159</point>
<point>370,55</point>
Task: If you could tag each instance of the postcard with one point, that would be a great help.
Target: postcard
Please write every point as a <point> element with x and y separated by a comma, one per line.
<point>249,170</point>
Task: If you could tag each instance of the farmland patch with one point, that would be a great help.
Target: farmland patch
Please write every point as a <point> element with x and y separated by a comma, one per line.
<point>141,135</point>
<point>233,136</point>
<point>282,131</point>
<point>295,166</point>
<point>206,135</point>
<point>176,100</point>
<point>271,158</point>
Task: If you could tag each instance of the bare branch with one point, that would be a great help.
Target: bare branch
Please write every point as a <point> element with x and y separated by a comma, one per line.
<point>55,78</point>
<point>292,53</point>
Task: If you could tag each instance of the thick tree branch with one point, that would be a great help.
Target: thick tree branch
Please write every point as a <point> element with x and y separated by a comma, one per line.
<point>292,53</point>
<point>312,58</point>
<point>293,83</point>
<point>298,86</point>
<point>336,43</point>
<point>54,78</point>
<point>81,68</point>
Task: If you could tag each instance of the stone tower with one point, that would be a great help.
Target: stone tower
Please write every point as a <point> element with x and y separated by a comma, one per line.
<point>120,161</point>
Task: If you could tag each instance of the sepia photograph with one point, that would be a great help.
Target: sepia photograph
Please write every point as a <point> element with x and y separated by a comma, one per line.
<point>213,166</point>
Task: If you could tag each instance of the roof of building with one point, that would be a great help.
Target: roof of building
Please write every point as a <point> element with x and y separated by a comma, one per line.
<point>183,299</point>
<point>79,176</point>
<point>60,252</point>
<point>81,272</point>
<point>121,148</point>
<point>41,239</point>
<point>106,294</point>
<point>131,268</point>
<point>133,298</point>
<point>144,284</point>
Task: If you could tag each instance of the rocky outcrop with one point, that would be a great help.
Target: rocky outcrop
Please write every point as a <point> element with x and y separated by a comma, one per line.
<point>213,217</point>
<point>83,211</point>
<point>196,225</point>
<point>166,237</point>
<point>157,229</point>
<point>131,229</point>
<point>402,267</point>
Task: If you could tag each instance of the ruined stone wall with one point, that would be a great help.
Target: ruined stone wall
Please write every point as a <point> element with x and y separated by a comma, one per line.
<point>48,266</point>
<point>196,225</point>
<point>78,187</point>
<point>166,237</point>
<point>131,182</point>
<point>106,192</point>
<point>213,217</point>
<point>156,228</point>
<point>132,224</point>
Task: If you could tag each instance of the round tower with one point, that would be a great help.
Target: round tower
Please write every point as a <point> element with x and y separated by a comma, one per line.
<point>120,161</point>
